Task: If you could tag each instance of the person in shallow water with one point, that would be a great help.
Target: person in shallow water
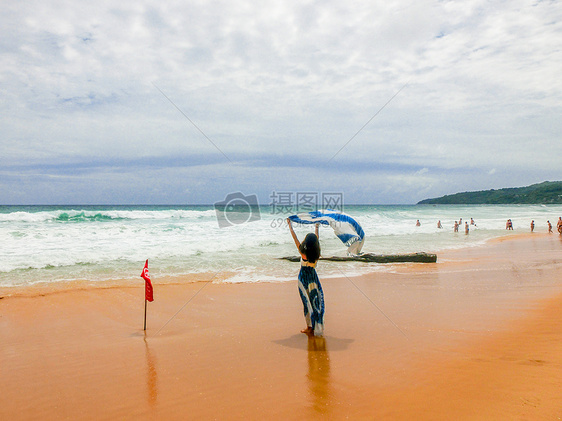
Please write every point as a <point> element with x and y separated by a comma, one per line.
<point>310,289</point>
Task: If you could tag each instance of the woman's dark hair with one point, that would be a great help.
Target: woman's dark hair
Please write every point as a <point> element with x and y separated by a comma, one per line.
<point>310,247</point>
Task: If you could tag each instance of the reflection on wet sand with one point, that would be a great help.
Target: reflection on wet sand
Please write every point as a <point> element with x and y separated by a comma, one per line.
<point>152,376</point>
<point>319,374</point>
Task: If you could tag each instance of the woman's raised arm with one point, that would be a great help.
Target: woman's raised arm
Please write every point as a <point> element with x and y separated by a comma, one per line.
<point>297,242</point>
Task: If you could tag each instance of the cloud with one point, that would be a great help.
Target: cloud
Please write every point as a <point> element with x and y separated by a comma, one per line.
<point>279,87</point>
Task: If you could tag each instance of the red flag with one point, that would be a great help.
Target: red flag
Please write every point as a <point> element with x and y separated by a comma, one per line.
<point>147,284</point>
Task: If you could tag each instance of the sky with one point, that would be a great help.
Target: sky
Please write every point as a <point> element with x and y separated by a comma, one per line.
<point>186,102</point>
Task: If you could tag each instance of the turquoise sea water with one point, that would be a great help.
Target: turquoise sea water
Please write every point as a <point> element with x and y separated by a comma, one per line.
<point>45,244</point>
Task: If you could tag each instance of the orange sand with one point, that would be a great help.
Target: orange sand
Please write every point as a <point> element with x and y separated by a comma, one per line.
<point>477,335</point>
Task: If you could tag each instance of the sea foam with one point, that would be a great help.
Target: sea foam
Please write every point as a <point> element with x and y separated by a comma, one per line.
<point>99,243</point>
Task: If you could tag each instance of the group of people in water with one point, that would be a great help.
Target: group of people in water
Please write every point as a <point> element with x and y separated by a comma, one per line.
<point>548,224</point>
<point>508,225</point>
<point>458,224</point>
<point>455,227</point>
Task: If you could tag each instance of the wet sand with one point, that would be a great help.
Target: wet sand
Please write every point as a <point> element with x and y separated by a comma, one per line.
<point>478,335</point>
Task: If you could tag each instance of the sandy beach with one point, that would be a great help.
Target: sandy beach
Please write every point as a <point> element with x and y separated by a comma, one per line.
<point>477,335</point>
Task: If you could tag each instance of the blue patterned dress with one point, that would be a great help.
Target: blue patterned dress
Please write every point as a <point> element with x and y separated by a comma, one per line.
<point>312,297</point>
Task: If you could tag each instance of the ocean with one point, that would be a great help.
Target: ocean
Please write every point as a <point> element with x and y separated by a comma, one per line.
<point>97,244</point>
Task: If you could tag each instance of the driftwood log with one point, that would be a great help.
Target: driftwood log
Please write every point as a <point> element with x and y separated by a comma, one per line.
<point>377,258</point>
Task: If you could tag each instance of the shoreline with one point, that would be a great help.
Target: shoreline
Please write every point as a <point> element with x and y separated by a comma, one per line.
<point>42,288</point>
<point>476,335</point>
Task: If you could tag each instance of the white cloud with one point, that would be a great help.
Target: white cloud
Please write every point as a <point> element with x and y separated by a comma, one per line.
<point>290,79</point>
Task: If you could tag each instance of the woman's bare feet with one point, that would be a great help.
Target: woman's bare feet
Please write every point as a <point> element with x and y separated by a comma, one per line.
<point>309,331</point>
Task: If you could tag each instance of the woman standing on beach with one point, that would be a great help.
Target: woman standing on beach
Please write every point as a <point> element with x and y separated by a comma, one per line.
<point>310,289</point>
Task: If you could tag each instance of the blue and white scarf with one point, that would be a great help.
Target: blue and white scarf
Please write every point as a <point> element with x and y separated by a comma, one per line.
<point>345,227</point>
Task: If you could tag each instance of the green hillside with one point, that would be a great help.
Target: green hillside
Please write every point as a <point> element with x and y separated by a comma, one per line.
<point>548,192</point>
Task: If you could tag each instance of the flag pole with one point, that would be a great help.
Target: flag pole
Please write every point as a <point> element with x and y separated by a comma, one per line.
<point>145,313</point>
<point>148,294</point>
